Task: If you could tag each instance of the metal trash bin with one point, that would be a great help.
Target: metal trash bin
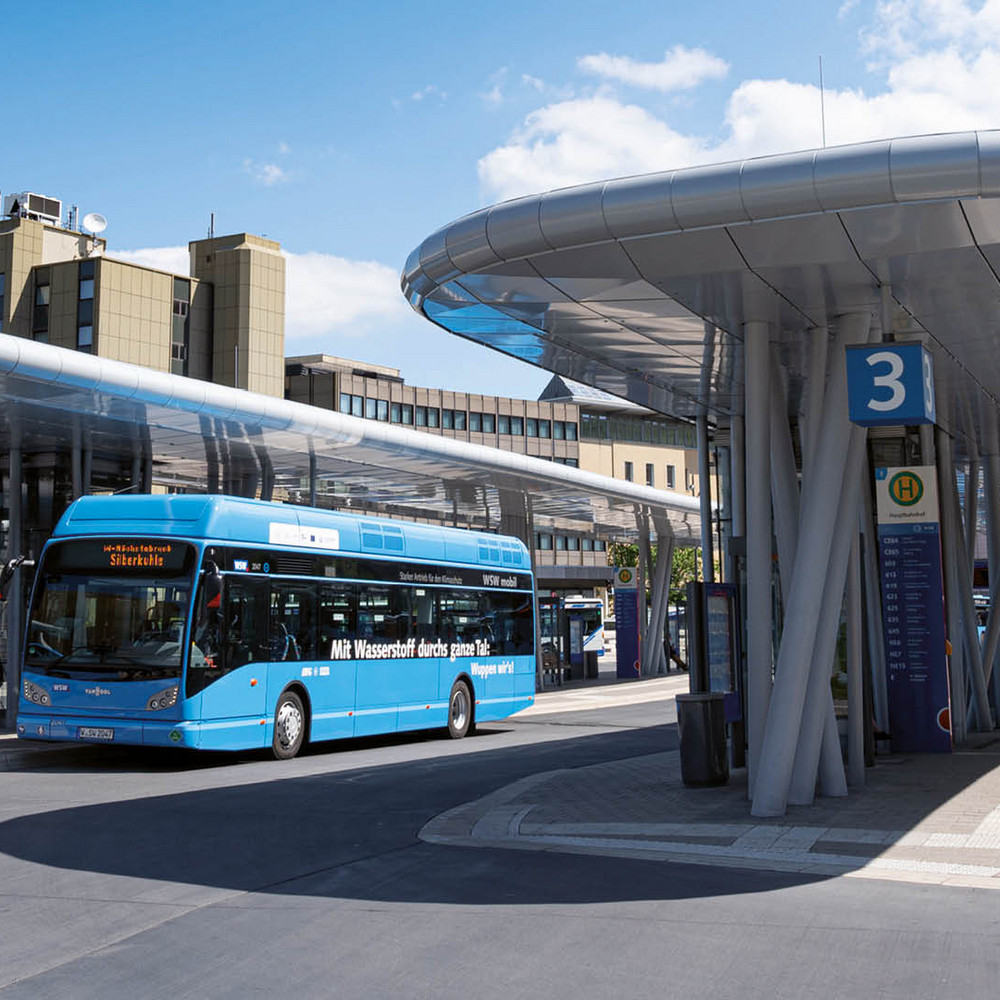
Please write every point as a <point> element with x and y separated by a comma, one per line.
<point>701,724</point>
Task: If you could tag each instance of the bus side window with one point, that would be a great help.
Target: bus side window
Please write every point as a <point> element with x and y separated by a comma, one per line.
<point>337,616</point>
<point>245,617</point>
<point>293,621</point>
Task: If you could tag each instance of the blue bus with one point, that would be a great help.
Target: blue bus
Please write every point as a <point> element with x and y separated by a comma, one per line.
<point>224,623</point>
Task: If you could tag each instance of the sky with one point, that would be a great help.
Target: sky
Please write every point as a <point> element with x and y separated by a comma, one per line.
<point>351,131</point>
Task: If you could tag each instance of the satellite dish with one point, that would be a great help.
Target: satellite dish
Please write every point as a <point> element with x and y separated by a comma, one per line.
<point>94,222</point>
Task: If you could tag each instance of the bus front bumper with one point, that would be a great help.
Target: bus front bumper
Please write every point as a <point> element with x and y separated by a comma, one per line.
<point>101,729</point>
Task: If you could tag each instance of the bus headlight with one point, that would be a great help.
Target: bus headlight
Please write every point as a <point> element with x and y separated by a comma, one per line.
<point>162,699</point>
<point>36,694</point>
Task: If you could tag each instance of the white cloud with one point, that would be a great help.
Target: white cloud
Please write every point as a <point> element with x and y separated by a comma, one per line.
<point>574,141</point>
<point>327,297</point>
<point>681,69</point>
<point>267,174</point>
<point>429,91</point>
<point>940,60</point>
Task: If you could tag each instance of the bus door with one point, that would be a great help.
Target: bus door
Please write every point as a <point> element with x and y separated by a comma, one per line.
<point>233,701</point>
<point>334,672</point>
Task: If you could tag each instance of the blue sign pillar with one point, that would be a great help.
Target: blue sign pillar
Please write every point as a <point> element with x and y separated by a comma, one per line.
<point>626,622</point>
<point>892,385</point>
<point>913,609</point>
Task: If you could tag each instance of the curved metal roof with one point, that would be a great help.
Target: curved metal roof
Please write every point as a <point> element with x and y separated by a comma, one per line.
<point>640,286</point>
<point>53,395</point>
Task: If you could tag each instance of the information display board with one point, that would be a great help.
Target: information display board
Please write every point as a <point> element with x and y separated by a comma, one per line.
<point>913,608</point>
<point>626,622</point>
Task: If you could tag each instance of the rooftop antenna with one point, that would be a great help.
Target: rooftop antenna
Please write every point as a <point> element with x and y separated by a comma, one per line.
<point>94,223</point>
<point>822,102</point>
<point>211,226</point>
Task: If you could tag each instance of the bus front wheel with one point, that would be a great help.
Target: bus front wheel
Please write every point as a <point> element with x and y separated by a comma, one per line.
<point>459,710</point>
<point>289,726</point>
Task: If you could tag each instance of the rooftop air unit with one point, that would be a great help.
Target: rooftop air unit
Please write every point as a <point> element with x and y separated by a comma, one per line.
<point>27,205</point>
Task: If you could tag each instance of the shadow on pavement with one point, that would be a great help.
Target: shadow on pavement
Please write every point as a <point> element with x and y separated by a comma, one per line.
<point>353,834</point>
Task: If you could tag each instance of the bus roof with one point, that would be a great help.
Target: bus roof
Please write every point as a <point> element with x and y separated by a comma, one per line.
<point>241,521</point>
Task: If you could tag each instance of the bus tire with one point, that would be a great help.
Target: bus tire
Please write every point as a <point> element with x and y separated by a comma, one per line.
<point>459,710</point>
<point>289,726</point>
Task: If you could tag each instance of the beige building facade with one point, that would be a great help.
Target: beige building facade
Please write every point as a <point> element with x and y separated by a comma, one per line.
<point>224,323</point>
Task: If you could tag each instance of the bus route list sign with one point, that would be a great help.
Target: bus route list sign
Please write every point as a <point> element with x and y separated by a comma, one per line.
<point>913,608</point>
<point>626,622</point>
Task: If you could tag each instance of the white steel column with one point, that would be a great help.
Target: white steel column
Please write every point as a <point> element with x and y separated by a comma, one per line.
<point>873,610</point>
<point>784,483</point>
<point>819,348</point>
<point>819,513</point>
<point>980,699</point>
<point>655,662</point>
<point>738,487</point>
<point>14,595</point>
<point>641,576</point>
<point>956,673</point>
<point>756,340</point>
<point>971,511</point>
<point>855,696</point>
<point>817,753</point>
<point>705,498</point>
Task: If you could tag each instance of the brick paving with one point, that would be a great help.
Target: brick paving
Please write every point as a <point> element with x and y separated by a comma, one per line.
<point>920,817</point>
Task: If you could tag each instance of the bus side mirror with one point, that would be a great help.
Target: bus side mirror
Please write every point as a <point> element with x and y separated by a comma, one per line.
<point>7,572</point>
<point>213,585</point>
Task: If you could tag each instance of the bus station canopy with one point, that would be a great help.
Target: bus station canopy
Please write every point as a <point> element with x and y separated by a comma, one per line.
<point>55,397</point>
<point>641,286</point>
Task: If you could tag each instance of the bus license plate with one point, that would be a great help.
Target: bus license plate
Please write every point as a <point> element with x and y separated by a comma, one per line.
<point>94,733</point>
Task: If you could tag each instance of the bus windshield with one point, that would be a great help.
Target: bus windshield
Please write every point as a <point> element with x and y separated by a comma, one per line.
<point>127,624</point>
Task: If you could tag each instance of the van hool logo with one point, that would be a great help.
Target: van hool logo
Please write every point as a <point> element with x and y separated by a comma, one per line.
<point>906,488</point>
<point>97,691</point>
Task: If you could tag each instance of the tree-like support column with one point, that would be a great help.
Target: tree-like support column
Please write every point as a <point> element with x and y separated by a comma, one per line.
<point>820,504</point>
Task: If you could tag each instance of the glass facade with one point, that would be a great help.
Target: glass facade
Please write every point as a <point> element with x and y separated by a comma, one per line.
<point>605,427</point>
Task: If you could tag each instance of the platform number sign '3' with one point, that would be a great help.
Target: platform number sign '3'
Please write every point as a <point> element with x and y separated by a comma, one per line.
<point>890,384</point>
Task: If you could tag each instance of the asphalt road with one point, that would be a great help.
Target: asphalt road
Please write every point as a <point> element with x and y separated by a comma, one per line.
<point>127,874</point>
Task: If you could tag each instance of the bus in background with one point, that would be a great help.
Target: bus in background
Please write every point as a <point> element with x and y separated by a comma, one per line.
<point>226,624</point>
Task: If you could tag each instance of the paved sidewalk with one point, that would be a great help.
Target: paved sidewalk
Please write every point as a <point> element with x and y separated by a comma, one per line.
<point>920,818</point>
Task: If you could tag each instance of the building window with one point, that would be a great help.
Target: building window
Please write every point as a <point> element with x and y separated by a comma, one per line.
<point>433,416</point>
<point>421,414</point>
<point>408,414</point>
<point>544,542</point>
<point>87,290</point>
<point>395,414</point>
<point>345,402</point>
<point>570,430</point>
<point>503,424</point>
<point>475,422</point>
<point>531,427</point>
<point>559,430</point>
<point>545,428</point>
<point>489,423</point>
<point>587,544</point>
<point>650,474</point>
<point>599,545</point>
<point>179,328</point>
<point>448,419</point>
<point>560,543</point>
<point>460,420</point>
<point>357,406</point>
<point>671,476</point>
<point>572,463</point>
<point>573,543</point>
<point>371,408</point>
<point>40,313</point>
<point>382,411</point>
<point>85,339</point>
<point>517,426</point>
<point>628,471</point>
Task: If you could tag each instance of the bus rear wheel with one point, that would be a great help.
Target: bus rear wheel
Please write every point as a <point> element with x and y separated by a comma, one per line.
<point>459,710</point>
<point>289,726</point>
